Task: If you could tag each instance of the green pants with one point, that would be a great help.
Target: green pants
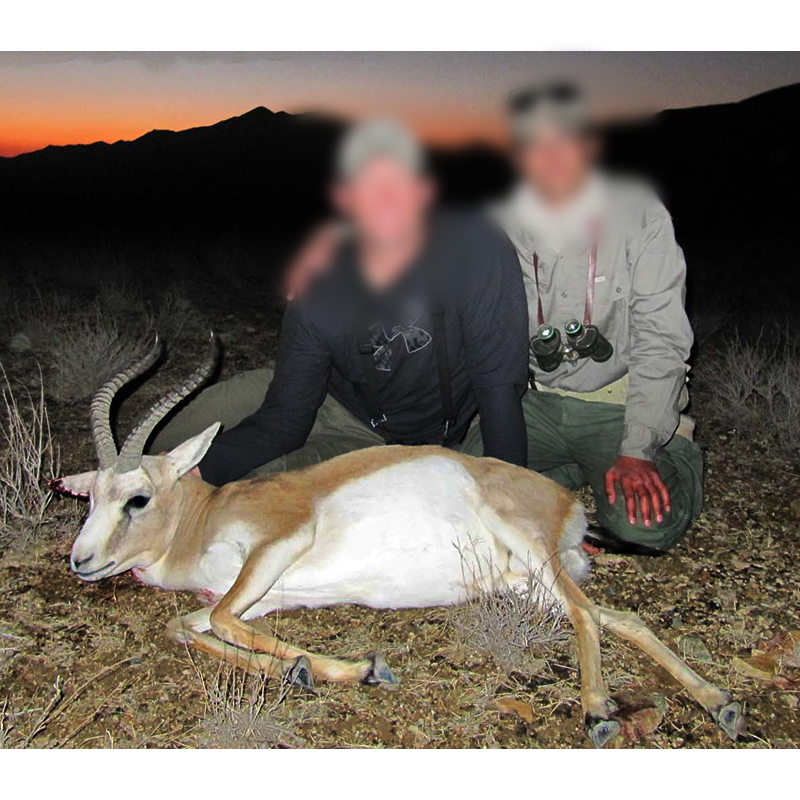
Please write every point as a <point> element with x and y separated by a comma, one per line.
<point>571,441</point>
<point>574,442</point>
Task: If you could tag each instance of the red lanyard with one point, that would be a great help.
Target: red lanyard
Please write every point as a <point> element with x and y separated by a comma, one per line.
<point>590,280</point>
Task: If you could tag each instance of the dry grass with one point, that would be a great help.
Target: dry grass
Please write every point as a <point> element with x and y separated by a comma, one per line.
<point>86,351</point>
<point>755,385</point>
<point>244,711</point>
<point>28,462</point>
<point>175,315</point>
<point>79,347</point>
<point>513,626</point>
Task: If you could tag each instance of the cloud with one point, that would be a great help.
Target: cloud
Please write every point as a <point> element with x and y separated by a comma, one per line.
<point>167,60</point>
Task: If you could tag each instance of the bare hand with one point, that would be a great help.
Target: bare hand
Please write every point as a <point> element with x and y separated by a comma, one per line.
<point>640,482</point>
<point>314,258</point>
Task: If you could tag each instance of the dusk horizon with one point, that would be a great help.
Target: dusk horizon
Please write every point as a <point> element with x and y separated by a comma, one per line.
<point>450,98</point>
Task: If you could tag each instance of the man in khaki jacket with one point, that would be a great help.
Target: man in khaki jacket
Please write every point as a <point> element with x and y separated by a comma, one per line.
<point>598,255</point>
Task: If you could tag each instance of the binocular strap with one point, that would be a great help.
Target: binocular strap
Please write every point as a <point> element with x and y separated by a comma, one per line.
<point>588,308</point>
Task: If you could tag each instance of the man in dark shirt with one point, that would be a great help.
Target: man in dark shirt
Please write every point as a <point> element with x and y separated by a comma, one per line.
<point>417,335</point>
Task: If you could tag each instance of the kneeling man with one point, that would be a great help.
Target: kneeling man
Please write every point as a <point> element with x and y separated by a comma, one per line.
<point>417,334</point>
<point>605,282</point>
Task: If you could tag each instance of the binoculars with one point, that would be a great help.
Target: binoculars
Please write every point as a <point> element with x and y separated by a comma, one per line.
<point>583,341</point>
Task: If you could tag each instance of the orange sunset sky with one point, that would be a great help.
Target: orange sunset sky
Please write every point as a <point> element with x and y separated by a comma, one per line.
<point>72,98</point>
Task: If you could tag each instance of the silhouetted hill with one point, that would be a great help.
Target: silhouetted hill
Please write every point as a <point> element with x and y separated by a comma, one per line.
<point>732,169</point>
<point>259,168</point>
<point>729,174</point>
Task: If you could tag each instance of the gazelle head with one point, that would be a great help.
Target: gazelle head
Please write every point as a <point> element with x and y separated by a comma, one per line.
<point>133,506</point>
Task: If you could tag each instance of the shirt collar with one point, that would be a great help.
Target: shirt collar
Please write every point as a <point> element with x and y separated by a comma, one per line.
<point>562,228</point>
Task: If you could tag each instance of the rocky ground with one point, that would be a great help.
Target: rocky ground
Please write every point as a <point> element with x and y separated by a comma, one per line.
<point>89,665</point>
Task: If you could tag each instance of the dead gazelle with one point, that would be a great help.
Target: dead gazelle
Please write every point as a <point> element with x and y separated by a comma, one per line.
<point>375,527</point>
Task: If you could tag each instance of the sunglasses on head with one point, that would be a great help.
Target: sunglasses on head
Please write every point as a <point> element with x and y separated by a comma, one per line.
<point>525,99</point>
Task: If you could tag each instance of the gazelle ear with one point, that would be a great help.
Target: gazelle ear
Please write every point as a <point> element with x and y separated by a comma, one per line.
<point>75,485</point>
<point>188,455</point>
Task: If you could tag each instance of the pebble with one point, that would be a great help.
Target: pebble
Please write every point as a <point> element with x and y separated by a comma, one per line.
<point>694,647</point>
<point>20,343</point>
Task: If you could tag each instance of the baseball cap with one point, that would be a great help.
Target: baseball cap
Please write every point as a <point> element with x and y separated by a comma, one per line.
<point>376,138</point>
<point>535,109</point>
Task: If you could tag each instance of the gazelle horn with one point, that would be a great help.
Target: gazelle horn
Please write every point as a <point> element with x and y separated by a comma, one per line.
<point>100,413</point>
<point>130,456</point>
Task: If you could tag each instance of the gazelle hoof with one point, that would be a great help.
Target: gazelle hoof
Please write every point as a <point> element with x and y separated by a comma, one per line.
<point>379,673</point>
<point>601,731</point>
<point>730,719</point>
<point>300,673</point>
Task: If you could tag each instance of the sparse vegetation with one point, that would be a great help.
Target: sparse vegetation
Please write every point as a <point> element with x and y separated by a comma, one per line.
<point>175,314</point>
<point>488,674</point>
<point>515,627</point>
<point>28,461</point>
<point>87,351</point>
<point>754,385</point>
<point>245,711</point>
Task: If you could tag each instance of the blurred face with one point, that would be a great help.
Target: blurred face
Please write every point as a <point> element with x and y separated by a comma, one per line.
<point>386,202</point>
<point>556,164</point>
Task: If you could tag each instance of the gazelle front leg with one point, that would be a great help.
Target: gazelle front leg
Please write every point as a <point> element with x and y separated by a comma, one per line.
<point>190,630</point>
<point>260,572</point>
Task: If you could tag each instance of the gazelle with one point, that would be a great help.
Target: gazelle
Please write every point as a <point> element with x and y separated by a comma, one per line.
<point>386,527</point>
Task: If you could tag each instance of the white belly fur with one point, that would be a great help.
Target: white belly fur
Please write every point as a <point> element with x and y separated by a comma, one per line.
<point>409,535</point>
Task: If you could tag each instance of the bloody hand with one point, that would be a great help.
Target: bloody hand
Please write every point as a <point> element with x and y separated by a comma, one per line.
<point>640,481</point>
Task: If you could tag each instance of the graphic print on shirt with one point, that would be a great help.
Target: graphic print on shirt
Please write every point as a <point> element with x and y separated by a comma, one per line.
<point>415,339</point>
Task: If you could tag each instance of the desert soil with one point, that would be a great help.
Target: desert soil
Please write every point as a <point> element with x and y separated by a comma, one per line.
<point>89,665</point>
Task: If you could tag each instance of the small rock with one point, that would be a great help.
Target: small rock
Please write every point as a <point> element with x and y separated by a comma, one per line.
<point>694,647</point>
<point>508,705</point>
<point>790,700</point>
<point>20,343</point>
<point>610,559</point>
<point>639,716</point>
<point>677,621</point>
<point>758,668</point>
<point>727,599</point>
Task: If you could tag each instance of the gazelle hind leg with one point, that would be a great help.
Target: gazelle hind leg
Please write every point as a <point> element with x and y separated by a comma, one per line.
<point>597,706</point>
<point>728,714</point>
<point>530,550</point>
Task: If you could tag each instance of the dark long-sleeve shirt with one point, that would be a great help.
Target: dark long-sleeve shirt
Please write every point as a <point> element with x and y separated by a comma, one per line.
<point>475,268</point>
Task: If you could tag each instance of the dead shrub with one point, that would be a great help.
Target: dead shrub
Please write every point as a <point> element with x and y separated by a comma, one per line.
<point>80,347</point>
<point>175,315</point>
<point>86,351</point>
<point>241,715</point>
<point>121,298</point>
<point>515,626</point>
<point>755,385</point>
<point>28,462</point>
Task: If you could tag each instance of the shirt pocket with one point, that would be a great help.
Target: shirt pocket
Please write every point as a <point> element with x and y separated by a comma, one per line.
<point>611,297</point>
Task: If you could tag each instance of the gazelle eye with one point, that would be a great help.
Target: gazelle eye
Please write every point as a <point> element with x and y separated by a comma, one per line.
<point>136,502</point>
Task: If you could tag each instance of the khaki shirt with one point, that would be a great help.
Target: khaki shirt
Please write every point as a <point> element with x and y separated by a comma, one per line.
<point>638,306</point>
